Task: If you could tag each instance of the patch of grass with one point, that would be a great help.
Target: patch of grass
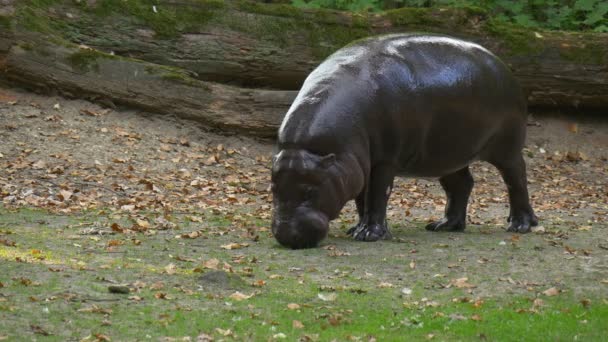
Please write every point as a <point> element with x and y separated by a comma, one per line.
<point>57,278</point>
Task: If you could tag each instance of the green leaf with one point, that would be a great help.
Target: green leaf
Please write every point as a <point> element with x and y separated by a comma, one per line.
<point>585,5</point>
<point>595,17</point>
<point>524,20</point>
<point>601,28</point>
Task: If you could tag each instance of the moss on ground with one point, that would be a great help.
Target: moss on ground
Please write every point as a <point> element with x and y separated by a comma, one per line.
<point>413,16</point>
<point>5,22</point>
<point>167,21</point>
<point>86,60</point>
<point>176,75</point>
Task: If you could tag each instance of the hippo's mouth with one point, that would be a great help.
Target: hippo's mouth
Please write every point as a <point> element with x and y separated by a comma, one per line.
<point>305,229</point>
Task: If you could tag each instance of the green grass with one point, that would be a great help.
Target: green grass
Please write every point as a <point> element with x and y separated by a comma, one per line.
<point>56,277</point>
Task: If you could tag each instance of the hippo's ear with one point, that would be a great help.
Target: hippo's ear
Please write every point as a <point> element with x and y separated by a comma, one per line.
<point>328,160</point>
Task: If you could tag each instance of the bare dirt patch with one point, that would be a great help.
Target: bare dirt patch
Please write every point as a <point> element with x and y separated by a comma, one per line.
<point>71,155</point>
<point>167,209</point>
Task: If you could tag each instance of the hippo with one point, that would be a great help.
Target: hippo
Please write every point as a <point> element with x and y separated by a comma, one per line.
<point>411,105</point>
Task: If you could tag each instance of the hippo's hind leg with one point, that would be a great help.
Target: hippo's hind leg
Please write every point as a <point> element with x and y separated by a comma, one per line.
<point>457,186</point>
<point>521,215</point>
<point>371,205</point>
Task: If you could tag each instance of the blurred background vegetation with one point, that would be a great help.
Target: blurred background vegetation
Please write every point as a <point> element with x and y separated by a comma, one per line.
<point>571,15</point>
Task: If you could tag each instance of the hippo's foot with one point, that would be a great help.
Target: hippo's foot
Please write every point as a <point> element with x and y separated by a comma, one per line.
<point>522,223</point>
<point>370,232</point>
<point>446,225</point>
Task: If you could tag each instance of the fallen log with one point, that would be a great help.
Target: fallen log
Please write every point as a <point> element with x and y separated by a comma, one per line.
<point>200,59</point>
<point>107,79</point>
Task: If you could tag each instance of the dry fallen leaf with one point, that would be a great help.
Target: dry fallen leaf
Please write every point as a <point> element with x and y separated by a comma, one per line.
<point>235,245</point>
<point>258,283</point>
<point>114,243</point>
<point>293,306</point>
<point>171,269</point>
<point>36,329</point>
<point>538,229</point>
<point>238,296</point>
<point>204,338</point>
<point>297,324</point>
<point>551,292</point>
<point>157,286</point>
<point>384,285</point>
<point>143,223</point>
<point>223,332</point>
<point>192,235</point>
<point>327,297</point>
<point>161,295</point>
<point>211,264</point>
<point>462,283</point>
<point>102,338</point>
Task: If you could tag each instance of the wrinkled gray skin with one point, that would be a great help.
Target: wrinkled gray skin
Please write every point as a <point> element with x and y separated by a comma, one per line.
<point>413,105</point>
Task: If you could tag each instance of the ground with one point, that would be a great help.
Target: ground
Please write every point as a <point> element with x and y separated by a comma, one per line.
<point>123,225</point>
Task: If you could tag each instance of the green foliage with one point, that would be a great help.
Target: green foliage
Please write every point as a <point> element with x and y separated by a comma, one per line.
<point>584,15</point>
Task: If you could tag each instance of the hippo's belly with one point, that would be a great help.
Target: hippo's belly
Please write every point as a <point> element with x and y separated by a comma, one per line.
<point>447,142</point>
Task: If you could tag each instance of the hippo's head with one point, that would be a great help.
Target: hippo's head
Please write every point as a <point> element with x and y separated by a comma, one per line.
<point>304,197</point>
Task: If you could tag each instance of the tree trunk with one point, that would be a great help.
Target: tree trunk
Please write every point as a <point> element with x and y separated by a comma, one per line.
<point>201,59</point>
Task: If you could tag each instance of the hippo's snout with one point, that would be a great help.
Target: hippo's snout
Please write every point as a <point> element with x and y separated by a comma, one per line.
<point>304,229</point>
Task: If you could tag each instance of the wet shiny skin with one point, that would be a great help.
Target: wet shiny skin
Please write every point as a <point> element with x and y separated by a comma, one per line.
<point>410,104</point>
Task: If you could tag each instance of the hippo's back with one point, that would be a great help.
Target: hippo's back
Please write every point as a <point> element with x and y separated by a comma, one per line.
<point>418,65</point>
<point>432,102</point>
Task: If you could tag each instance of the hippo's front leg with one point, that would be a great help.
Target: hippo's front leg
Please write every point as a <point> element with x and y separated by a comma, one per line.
<point>360,203</point>
<point>372,225</point>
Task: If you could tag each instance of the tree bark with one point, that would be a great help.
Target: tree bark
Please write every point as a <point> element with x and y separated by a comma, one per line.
<point>113,80</point>
<point>208,56</point>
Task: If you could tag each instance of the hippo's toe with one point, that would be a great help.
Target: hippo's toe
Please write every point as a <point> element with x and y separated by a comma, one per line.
<point>371,232</point>
<point>522,223</point>
<point>446,225</point>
